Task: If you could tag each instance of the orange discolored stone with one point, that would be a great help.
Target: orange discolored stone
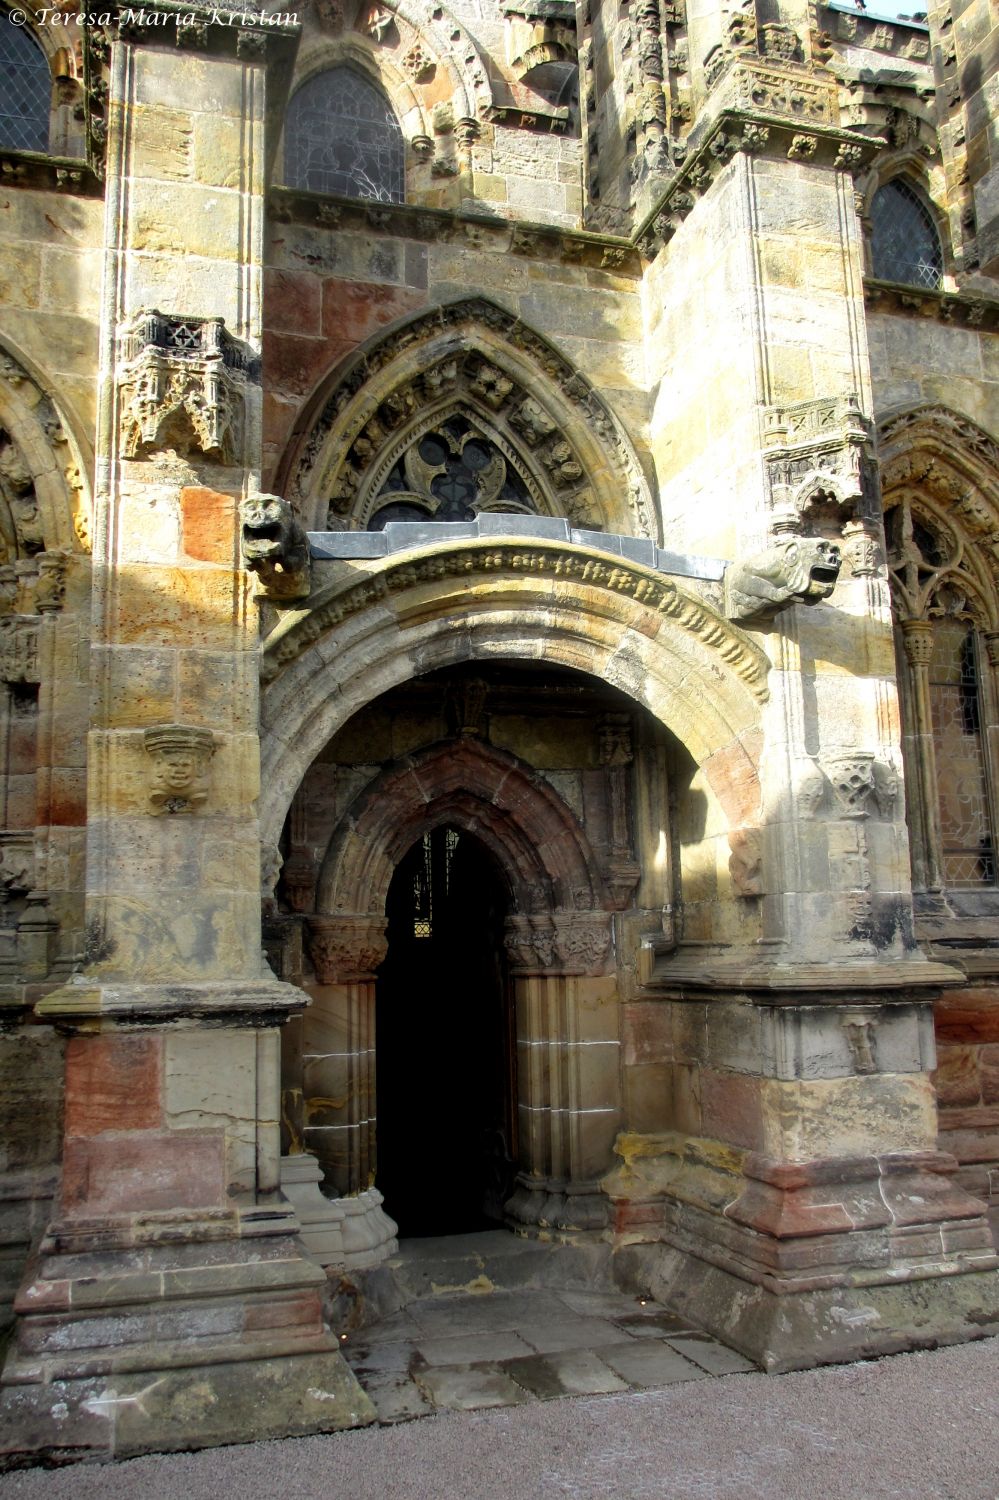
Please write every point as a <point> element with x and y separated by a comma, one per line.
<point>956,1078</point>
<point>208,525</point>
<point>354,309</point>
<point>731,1108</point>
<point>732,773</point>
<point>968,1015</point>
<point>113,1083</point>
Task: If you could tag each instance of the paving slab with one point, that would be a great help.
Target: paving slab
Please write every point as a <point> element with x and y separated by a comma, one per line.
<point>571,1332</point>
<point>648,1365</point>
<point>362,1355</point>
<point>496,1311</point>
<point>655,1324</point>
<point>470,1388</point>
<point>473,1348</point>
<point>713,1357</point>
<point>396,1397</point>
<point>576,1372</point>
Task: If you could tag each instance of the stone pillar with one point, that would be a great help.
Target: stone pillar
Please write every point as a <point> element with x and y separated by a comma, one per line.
<point>800,1183</point>
<point>917,642</point>
<point>568,1068</point>
<point>338,1048</point>
<point>170,1219</point>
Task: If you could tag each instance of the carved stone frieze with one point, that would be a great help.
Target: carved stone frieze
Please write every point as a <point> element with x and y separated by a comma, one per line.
<point>793,570</point>
<point>661,595</point>
<point>345,949</point>
<point>181,385</point>
<point>275,548</point>
<point>181,756</point>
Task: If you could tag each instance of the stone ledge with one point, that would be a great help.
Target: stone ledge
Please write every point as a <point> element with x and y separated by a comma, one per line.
<point>401,536</point>
<point>688,972</point>
<point>242,1003</point>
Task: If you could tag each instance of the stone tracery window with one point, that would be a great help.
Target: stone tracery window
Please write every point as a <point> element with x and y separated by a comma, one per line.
<point>25,89</point>
<point>451,473</point>
<point>949,655</point>
<point>905,245</point>
<point>341,136</point>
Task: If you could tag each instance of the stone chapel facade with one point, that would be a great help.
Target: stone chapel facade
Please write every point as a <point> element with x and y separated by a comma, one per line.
<point>500,659</point>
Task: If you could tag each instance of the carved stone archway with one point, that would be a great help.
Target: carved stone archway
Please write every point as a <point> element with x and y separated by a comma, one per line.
<point>475,359</point>
<point>386,622</point>
<point>558,940</point>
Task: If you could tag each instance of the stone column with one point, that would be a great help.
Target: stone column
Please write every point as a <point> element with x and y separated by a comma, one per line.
<point>917,641</point>
<point>568,1068</point>
<point>170,1220</point>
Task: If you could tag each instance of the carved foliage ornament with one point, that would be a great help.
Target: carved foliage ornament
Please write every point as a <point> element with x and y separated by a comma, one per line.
<point>181,754</point>
<point>345,950</point>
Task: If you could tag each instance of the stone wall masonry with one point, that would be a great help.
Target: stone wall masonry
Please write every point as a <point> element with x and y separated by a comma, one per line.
<point>917,361</point>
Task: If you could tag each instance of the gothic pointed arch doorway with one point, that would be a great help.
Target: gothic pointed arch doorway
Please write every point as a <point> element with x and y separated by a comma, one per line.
<point>445,1040</point>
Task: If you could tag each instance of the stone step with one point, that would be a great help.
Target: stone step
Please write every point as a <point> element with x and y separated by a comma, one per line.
<point>471,1264</point>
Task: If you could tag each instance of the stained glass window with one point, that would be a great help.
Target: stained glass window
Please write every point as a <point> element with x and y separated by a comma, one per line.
<point>25,89</point>
<point>451,473</point>
<point>962,785</point>
<point>341,136</point>
<point>905,245</point>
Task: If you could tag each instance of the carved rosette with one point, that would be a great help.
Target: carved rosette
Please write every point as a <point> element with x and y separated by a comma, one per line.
<point>181,755</point>
<point>181,385</point>
<point>345,949</point>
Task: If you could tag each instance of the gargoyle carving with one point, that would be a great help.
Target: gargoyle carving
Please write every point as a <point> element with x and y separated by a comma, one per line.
<point>275,547</point>
<point>793,570</point>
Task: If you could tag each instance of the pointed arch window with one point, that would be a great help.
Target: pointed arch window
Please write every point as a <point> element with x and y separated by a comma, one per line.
<point>949,660</point>
<point>341,136</point>
<point>25,89</point>
<point>905,245</point>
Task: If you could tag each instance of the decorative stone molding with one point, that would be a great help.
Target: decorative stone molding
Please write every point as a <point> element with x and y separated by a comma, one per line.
<point>275,548</point>
<point>345,950</point>
<point>181,384</point>
<point>862,548</point>
<point>665,597</point>
<point>793,570</point>
<point>859,781</point>
<point>963,309</point>
<point>343,1233</point>
<point>541,43</point>
<point>809,788</point>
<point>17,865</point>
<point>181,754</point>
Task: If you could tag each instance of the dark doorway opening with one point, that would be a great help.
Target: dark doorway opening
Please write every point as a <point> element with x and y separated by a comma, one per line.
<point>444,1033</point>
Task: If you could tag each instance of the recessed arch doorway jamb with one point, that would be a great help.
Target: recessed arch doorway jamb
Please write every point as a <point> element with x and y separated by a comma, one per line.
<point>559,946</point>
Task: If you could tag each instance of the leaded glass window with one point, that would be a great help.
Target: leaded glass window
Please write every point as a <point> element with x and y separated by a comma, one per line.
<point>905,246</point>
<point>962,783</point>
<point>25,89</point>
<point>341,136</point>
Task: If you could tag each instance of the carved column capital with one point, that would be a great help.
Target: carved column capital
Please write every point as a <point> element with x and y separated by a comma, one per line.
<point>346,949</point>
<point>917,638</point>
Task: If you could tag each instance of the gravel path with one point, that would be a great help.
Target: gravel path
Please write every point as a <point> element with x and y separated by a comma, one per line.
<point>916,1427</point>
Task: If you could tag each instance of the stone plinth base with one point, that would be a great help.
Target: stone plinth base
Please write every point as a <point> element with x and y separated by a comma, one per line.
<point>179,1334</point>
<point>799,1330</point>
<point>799,1264</point>
<point>347,1233</point>
<point>549,1206</point>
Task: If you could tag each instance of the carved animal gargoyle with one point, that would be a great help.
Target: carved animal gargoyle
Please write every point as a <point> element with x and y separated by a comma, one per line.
<point>276,548</point>
<point>793,570</point>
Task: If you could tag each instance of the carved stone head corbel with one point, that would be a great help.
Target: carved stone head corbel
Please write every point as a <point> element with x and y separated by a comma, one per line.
<point>181,754</point>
